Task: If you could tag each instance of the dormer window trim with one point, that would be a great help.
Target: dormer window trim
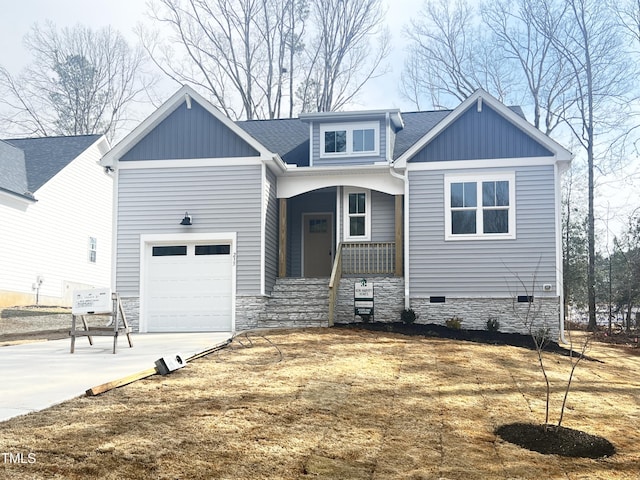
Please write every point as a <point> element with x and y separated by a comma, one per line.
<point>349,139</point>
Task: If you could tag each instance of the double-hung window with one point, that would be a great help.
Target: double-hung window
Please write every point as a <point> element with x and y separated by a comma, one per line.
<point>357,139</point>
<point>480,206</point>
<point>357,215</point>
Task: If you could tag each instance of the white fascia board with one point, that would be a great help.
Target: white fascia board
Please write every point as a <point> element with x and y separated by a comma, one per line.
<point>14,199</point>
<point>164,111</point>
<point>194,162</point>
<point>480,164</point>
<point>561,153</point>
<point>292,185</point>
<point>346,116</point>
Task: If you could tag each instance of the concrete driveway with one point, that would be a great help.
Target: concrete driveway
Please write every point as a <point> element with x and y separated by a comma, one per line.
<point>38,375</point>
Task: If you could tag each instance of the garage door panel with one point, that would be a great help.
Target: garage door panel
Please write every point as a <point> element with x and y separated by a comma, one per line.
<point>189,292</point>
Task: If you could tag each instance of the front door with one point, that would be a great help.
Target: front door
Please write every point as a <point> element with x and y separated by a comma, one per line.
<point>318,245</point>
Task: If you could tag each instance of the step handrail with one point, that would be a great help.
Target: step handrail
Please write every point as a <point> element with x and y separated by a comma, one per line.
<point>334,283</point>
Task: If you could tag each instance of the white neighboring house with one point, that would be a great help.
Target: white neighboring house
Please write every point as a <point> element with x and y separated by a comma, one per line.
<point>56,204</point>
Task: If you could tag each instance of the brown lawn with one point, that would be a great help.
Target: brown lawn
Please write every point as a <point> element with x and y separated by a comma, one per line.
<point>336,404</point>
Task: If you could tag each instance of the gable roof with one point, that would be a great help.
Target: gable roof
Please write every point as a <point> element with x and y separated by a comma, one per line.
<point>512,115</point>
<point>184,95</point>
<point>289,137</point>
<point>45,157</point>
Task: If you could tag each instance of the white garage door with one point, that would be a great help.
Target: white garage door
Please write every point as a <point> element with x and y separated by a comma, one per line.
<point>188,287</point>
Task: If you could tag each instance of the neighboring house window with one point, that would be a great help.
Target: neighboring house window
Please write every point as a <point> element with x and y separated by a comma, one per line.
<point>357,215</point>
<point>349,139</point>
<point>93,248</point>
<point>480,206</point>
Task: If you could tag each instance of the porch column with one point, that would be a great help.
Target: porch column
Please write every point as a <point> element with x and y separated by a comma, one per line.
<point>282,244</point>
<point>398,239</point>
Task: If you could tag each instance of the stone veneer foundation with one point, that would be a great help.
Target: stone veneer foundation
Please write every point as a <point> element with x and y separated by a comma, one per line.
<point>389,303</point>
<point>474,313</point>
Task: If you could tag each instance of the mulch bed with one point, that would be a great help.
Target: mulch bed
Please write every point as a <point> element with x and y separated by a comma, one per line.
<point>551,439</point>
<point>478,336</point>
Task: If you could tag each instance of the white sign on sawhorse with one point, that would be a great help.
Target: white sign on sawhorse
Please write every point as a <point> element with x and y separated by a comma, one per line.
<point>98,302</point>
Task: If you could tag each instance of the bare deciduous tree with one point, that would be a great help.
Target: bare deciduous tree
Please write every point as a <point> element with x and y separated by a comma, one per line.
<point>539,71</point>
<point>443,53</point>
<point>531,316</point>
<point>81,81</point>
<point>243,52</point>
<point>250,54</point>
<point>347,49</point>
<point>585,34</point>
<point>454,50</point>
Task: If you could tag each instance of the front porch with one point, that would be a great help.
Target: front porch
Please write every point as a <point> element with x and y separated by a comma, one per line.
<point>317,234</point>
<point>338,233</point>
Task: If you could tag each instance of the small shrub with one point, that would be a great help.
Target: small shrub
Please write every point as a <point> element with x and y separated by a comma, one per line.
<point>366,318</point>
<point>454,323</point>
<point>493,325</point>
<point>408,316</point>
<point>542,336</point>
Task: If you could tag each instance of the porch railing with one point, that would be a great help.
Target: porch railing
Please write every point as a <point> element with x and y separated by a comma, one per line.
<point>359,259</point>
<point>377,258</point>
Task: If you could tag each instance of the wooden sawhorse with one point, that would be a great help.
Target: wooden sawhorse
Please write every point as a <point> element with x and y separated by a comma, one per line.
<point>117,317</point>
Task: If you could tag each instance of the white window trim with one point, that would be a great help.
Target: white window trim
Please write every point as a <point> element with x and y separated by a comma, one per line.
<point>349,128</point>
<point>367,215</point>
<point>479,178</point>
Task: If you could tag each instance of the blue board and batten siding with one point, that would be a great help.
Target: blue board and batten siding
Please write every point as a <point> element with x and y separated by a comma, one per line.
<point>482,268</point>
<point>271,231</point>
<point>189,133</point>
<point>220,199</point>
<point>480,135</point>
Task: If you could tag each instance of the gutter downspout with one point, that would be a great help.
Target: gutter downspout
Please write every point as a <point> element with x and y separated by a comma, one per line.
<point>405,179</point>
<point>559,258</point>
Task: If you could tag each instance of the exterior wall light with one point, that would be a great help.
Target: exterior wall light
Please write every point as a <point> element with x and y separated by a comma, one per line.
<point>186,220</point>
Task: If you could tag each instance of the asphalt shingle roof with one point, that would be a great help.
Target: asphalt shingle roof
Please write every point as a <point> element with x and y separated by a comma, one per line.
<point>46,156</point>
<point>290,137</point>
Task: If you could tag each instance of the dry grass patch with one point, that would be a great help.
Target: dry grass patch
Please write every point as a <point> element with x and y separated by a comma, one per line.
<point>334,404</point>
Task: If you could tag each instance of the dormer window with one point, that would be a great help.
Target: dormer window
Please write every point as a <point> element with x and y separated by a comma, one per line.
<point>335,141</point>
<point>356,139</point>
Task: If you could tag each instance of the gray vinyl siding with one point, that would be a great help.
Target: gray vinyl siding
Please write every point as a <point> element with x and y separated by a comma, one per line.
<point>382,217</point>
<point>271,232</point>
<point>321,201</point>
<point>482,268</point>
<point>349,160</point>
<point>480,135</point>
<point>219,199</point>
<point>190,133</point>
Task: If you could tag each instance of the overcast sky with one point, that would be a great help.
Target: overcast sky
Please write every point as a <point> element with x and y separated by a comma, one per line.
<point>123,15</point>
<point>615,193</point>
